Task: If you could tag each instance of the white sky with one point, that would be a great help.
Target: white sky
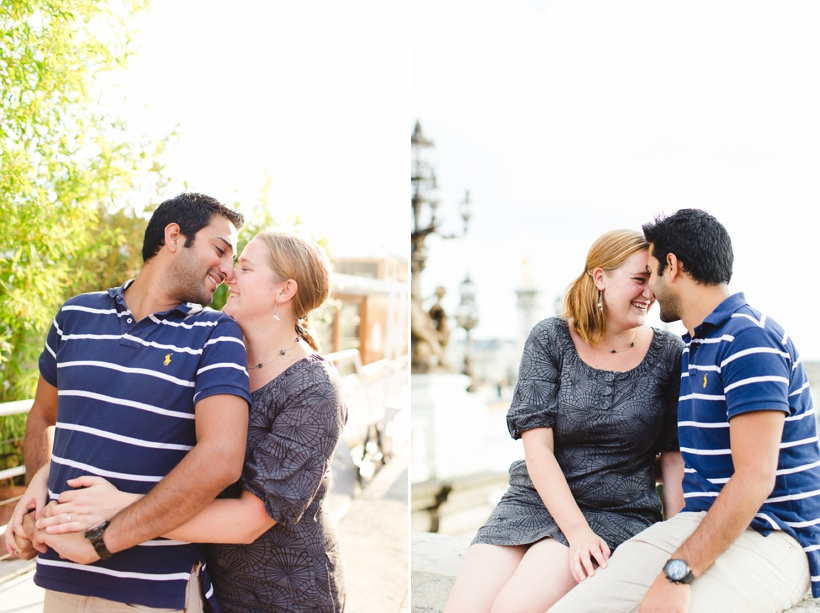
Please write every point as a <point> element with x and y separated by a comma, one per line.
<point>316,94</point>
<point>569,118</point>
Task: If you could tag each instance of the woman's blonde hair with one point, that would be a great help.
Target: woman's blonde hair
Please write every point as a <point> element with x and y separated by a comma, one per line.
<point>304,261</point>
<point>581,299</point>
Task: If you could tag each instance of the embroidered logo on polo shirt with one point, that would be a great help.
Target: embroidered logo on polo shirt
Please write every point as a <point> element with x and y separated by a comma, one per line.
<point>704,380</point>
<point>168,361</point>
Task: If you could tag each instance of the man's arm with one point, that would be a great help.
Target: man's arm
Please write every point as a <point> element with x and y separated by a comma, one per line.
<point>755,443</point>
<point>213,464</point>
<point>43,415</point>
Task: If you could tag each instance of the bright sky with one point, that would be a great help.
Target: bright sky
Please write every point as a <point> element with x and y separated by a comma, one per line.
<point>569,118</point>
<point>316,94</point>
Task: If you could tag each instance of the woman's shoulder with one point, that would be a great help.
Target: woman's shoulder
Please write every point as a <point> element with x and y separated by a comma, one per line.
<point>316,369</point>
<point>668,343</point>
<point>550,327</point>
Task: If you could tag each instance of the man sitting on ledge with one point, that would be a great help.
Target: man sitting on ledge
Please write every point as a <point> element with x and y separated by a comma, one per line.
<point>748,538</point>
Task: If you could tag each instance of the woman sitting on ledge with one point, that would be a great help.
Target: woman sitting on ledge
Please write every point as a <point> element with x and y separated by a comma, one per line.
<point>596,401</point>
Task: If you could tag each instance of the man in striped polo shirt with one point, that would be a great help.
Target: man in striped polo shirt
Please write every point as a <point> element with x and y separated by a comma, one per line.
<point>748,538</point>
<point>149,390</point>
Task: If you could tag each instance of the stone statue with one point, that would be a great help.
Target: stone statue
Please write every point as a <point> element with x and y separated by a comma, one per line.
<point>430,333</point>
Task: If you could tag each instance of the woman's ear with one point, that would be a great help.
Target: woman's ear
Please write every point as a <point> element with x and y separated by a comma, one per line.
<point>287,291</point>
<point>598,278</point>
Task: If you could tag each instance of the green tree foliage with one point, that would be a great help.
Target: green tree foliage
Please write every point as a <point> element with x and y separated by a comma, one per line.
<point>69,172</point>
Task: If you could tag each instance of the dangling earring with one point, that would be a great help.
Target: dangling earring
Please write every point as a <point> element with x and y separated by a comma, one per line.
<point>600,300</point>
<point>275,314</point>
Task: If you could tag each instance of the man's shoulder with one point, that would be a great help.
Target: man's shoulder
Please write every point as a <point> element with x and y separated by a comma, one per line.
<point>751,325</point>
<point>89,301</point>
<point>212,318</point>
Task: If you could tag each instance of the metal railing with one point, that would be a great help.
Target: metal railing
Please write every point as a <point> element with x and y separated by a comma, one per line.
<point>365,432</point>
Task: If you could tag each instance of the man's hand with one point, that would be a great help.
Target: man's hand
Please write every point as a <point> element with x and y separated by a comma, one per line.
<point>667,597</point>
<point>23,548</point>
<point>71,545</point>
<point>17,539</point>
<point>32,534</point>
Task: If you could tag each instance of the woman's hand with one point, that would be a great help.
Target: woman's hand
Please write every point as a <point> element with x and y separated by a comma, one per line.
<point>93,501</point>
<point>584,547</point>
<point>33,499</point>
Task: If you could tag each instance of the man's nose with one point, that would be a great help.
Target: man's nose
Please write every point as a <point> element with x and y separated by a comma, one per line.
<point>228,274</point>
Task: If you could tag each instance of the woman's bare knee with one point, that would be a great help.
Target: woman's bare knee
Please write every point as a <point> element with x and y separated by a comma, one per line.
<point>485,571</point>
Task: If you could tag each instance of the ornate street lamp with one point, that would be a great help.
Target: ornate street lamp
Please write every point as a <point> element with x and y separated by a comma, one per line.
<point>467,318</point>
<point>426,347</point>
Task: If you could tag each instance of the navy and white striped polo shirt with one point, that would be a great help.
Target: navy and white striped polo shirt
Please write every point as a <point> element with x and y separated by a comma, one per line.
<point>739,361</point>
<point>126,397</point>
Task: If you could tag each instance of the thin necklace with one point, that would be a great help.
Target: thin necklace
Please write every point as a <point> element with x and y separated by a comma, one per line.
<point>631,345</point>
<point>278,355</point>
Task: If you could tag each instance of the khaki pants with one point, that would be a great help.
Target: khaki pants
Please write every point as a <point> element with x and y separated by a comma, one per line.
<point>756,574</point>
<point>61,602</point>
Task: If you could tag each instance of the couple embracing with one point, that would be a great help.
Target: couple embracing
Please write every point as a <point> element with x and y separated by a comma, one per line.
<point>601,395</point>
<point>158,409</point>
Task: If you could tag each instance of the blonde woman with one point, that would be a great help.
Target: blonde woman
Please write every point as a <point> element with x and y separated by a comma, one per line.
<point>279,551</point>
<point>596,401</point>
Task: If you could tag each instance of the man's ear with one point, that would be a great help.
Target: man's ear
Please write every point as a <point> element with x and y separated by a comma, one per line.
<point>173,237</point>
<point>673,267</point>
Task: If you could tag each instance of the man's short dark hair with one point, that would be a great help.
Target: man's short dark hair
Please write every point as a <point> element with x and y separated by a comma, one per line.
<point>698,240</point>
<point>191,212</point>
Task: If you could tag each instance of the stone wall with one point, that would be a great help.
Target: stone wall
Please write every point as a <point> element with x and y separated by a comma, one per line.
<point>435,560</point>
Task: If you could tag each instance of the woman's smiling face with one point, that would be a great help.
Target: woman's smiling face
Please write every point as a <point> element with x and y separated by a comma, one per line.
<point>253,289</point>
<point>626,293</point>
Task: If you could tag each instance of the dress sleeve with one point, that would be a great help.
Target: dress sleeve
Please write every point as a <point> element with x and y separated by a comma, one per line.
<point>535,400</point>
<point>287,466</point>
<point>668,439</point>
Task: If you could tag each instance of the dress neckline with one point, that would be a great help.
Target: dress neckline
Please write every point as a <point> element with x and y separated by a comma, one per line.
<point>639,366</point>
<point>305,360</point>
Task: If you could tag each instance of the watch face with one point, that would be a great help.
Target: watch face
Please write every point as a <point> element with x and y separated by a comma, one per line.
<point>676,570</point>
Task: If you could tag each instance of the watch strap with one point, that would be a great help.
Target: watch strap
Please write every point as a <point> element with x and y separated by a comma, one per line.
<point>95,535</point>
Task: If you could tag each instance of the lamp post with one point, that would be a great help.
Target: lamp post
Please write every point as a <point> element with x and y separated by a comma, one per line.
<point>467,318</point>
<point>426,221</point>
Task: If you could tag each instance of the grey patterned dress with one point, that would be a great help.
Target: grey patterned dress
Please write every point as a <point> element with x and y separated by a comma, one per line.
<point>294,425</point>
<point>607,427</point>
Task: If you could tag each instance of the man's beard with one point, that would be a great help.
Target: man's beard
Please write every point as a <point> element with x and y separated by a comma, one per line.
<point>668,315</point>
<point>669,304</point>
<point>670,308</point>
<point>185,280</point>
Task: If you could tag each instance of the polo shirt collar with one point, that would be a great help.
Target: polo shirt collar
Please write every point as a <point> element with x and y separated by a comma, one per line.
<point>722,313</point>
<point>185,308</point>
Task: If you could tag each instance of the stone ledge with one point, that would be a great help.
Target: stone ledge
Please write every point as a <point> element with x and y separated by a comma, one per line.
<point>435,560</point>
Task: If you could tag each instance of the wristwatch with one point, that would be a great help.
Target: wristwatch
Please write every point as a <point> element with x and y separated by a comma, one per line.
<point>95,535</point>
<point>678,571</point>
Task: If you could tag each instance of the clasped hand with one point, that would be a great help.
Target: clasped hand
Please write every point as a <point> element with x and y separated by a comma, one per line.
<point>61,524</point>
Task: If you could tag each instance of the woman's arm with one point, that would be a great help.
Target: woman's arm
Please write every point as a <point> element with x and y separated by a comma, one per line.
<point>552,487</point>
<point>672,471</point>
<point>226,520</point>
<point>235,520</point>
<point>92,501</point>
